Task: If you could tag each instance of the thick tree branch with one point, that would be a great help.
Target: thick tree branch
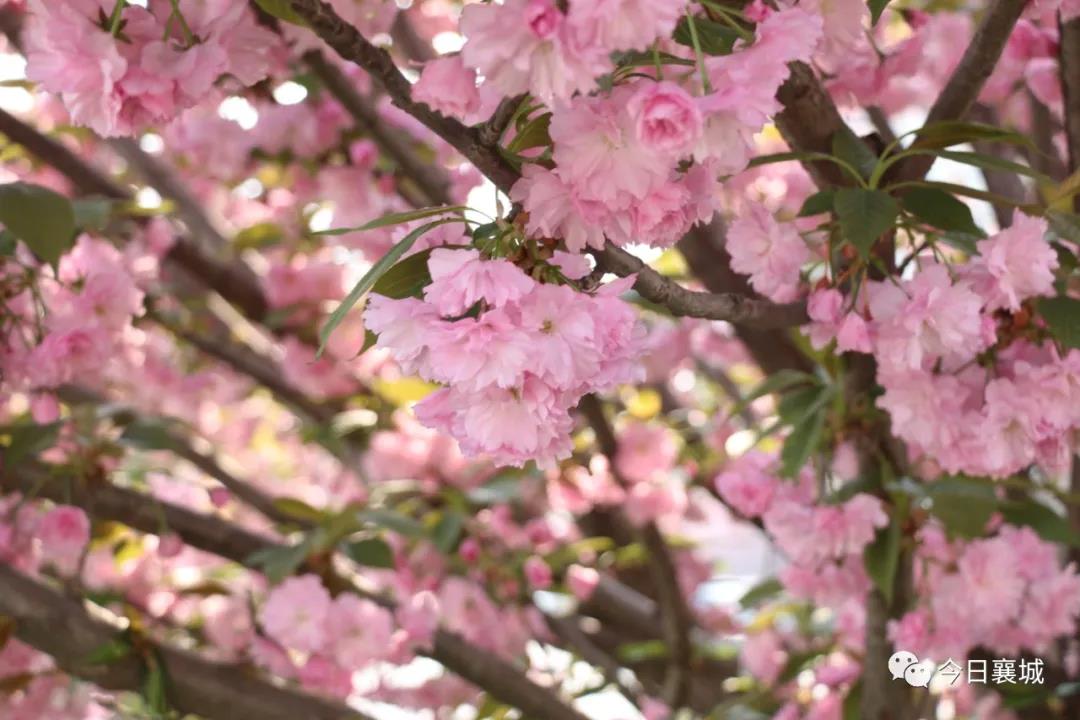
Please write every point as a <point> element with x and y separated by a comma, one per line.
<point>1069,59</point>
<point>259,368</point>
<point>978,62</point>
<point>675,617</point>
<point>61,627</point>
<point>967,80</point>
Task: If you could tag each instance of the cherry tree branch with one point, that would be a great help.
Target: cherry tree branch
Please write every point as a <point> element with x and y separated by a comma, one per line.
<point>675,617</point>
<point>1069,60</point>
<point>61,627</point>
<point>189,209</point>
<point>967,80</point>
<point>732,307</point>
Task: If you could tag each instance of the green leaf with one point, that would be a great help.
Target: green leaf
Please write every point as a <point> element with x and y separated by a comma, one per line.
<point>401,524</point>
<point>817,204</point>
<point>638,58</point>
<point>108,653</point>
<point>277,563</point>
<point>371,552</point>
<point>533,135</point>
<point>957,189</point>
<point>776,382</point>
<point>377,270</point>
<point>637,652</point>
<point>876,8</point>
<point>8,241</point>
<point>852,708</point>
<point>864,215</point>
<point>1050,526</point>
<point>991,162</point>
<point>1062,315</point>
<point>447,531</point>
<point>397,219</point>
<point>1066,225</point>
<point>964,505</point>
<point>797,406</point>
<point>370,339</point>
<point>282,10</point>
<point>762,591</point>
<point>154,690</point>
<point>26,439</point>
<point>954,132</point>
<point>714,38</point>
<point>41,218</point>
<point>882,557</point>
<point>92,213</point>
<point>800,444</point>
<point>406,279</point>
<point>940,209</point>
<point>258,236</point>
<point>504,487</point>
<point>299,510</point>
<point>150,434</point>
<point>964,242</point>
<point>850,148</point>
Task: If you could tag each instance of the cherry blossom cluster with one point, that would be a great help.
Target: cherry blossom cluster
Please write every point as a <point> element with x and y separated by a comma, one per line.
<point>823,542</point>
<point>514,370</point>
<point>967,389</point>
<point>618,154</point>
<point>1007,592</point>
<point>120,68</point>
<point>88,309</point>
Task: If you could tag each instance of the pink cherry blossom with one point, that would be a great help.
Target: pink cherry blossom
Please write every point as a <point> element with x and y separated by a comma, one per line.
<point>537,573</point>
<point>557,211</point>
<point>763,656</point>
<point>357,631</point>
<point>1016,264</point>
<point>447,86</point>
<point>64,533</point>
<point>460,278</point>
<point>296,612</point>
<point>626,24</point>
<point>527,45</point>
<point>665,117</point>
<point>748,484</point>
<point>769,252</point>
<point>582,581</point>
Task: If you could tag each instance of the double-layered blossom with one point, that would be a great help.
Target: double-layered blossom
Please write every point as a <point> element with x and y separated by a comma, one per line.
<point>513,371</point>
<point>771,253</point>
<point>156,66</point>
<point>295,613</point>
<point>1015,264</point>
<point>530,46</point>
<point>448,86</point>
